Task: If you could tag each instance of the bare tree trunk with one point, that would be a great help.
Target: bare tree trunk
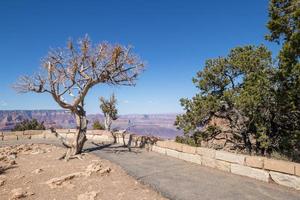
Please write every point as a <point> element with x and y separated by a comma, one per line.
<point>76,146</point>
<point>80,136</point>
<point>107,122</point>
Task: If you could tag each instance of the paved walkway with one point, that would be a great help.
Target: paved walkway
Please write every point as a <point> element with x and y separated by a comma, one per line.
<point>177,179</point>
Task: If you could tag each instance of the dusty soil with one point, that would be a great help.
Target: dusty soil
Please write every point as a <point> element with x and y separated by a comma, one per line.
<point>33,171</point>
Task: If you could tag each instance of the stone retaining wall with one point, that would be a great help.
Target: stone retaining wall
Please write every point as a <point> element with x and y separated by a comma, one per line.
<point>96,135</point>
<point>129,140</point>
<point>260,168</point>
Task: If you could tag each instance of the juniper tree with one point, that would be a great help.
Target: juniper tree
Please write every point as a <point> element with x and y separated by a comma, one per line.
<point>69,73</point>
<point>238,88</point>
<point>284,27</point>
<point>260,98</point>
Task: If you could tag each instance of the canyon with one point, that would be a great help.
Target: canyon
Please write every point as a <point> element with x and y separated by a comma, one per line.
<point>161,125</point>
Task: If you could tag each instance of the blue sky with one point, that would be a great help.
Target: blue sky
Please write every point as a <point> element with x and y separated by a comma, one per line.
<point>173,37</point>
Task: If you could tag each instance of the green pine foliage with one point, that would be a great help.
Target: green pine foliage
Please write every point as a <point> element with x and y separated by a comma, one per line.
<point>284,27</point>
<point>29,125</point>
<point>238,88</point>
<point>259,97</point>
<point>98,126</point>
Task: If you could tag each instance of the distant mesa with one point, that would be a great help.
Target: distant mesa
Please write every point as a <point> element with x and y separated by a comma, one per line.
<point>144,124</point>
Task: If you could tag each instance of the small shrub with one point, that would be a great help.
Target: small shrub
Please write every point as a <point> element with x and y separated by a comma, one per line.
<point>98,126</point>
<point>29,125</point>
<point>186,140</point>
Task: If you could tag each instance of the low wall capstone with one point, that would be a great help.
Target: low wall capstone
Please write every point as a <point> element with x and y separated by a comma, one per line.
<point>126,139</point>
<point>264,169</point>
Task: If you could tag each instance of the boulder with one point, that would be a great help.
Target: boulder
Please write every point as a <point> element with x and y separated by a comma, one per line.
<point>18,193</point>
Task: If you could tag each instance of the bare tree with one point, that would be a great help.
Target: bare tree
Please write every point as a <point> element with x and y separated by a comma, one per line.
<point>69,73</point>
<point>109,110</point>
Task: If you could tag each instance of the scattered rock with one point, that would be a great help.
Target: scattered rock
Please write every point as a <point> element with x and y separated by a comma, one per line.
<point>10,153</point>
<point>105,170</point>
<point>12,156</point>
<point>2,169</point>
<point>48,150</point>
<point>87,196</point>
<point>30,193</point>
<point>2,182</point>
<point>84,179</point>
<point>2,157</point>
<point>12,162</point>
<point>96,167</point>
<point>37,171</point>
<point>19,193</point>
<point>38,151</point>
<point>56,182</point>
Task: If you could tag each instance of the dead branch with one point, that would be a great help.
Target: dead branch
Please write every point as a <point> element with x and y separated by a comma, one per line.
<point>69,73</point>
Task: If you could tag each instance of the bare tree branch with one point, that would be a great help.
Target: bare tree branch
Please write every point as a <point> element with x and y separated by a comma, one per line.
<point>73,71</point>
<point>69,73</point>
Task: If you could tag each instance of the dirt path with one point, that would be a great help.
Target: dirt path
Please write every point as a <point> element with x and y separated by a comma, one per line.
<point>34,172</point>
<point>177,179</point>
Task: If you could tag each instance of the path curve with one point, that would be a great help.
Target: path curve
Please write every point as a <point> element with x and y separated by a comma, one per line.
<point>180,180</point>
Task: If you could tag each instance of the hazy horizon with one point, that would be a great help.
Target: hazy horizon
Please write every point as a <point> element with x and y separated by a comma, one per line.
<point>100,112</point>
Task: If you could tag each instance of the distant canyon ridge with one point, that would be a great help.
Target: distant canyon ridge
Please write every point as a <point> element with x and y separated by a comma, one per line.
<point>161,125</point>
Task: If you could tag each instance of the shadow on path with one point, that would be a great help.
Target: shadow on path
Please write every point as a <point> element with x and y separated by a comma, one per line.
<point>110,148</point>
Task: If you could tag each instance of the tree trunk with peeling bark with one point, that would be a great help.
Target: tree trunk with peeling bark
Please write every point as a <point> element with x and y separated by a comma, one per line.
<point>76,146</point>
<point>72,71</point>
<point>80,136</point>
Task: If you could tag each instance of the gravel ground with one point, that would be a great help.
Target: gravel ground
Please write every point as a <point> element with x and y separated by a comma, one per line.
<point>33,171</point>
